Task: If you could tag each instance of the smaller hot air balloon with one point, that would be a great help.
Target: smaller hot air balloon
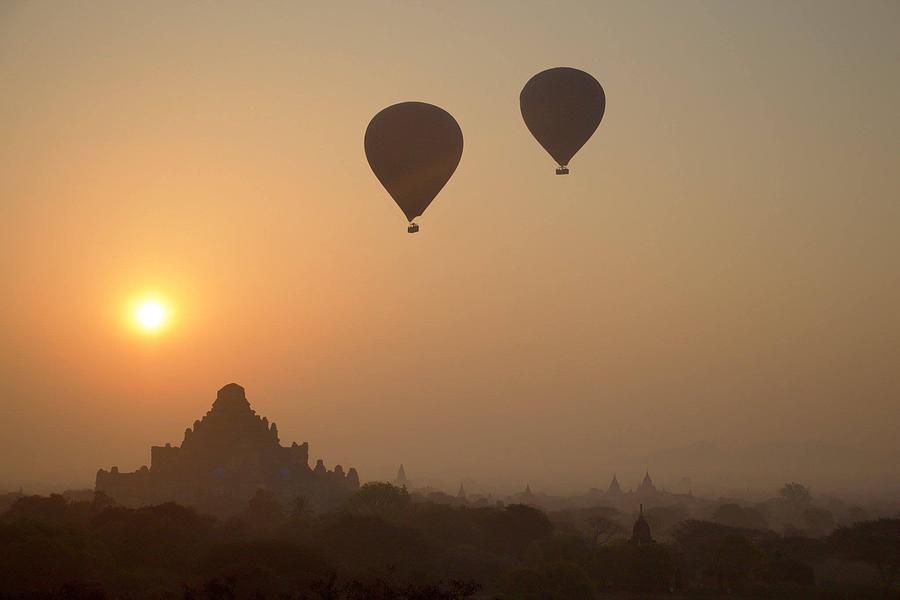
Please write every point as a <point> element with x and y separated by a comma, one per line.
<point>562,107</point>
<point>413,149</point>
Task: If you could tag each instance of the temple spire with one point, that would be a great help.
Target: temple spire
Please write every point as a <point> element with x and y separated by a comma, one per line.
<point>614,488</point>
<point>402,481</point>
<point>647,483</point>
<point>640,533</point>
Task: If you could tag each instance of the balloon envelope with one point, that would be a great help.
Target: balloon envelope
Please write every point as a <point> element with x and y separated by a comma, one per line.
<point>562,108</point>
<point>413,149</point>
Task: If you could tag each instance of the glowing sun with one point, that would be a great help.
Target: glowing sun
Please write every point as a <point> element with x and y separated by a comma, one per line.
<point>151,315</point>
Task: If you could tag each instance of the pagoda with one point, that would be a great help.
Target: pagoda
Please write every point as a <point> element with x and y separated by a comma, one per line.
<point>224,459</point>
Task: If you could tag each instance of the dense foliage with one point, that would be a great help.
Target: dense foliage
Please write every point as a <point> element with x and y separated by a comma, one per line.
<point>385,544</point>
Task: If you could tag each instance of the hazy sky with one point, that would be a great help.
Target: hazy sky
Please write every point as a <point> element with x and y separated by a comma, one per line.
<point>722,265</point>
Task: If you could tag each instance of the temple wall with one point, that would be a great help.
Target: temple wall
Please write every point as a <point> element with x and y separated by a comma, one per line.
<point>164,458</point>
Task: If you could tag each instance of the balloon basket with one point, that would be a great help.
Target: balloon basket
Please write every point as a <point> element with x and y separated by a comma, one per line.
<point>413,228</point>
<point>562,171</point>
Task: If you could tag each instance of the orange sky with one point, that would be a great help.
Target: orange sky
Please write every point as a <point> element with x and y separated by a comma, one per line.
<point>721,265</point>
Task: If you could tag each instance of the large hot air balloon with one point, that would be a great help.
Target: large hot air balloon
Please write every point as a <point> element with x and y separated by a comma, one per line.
<point>413,149</point>
<point>562,108</point>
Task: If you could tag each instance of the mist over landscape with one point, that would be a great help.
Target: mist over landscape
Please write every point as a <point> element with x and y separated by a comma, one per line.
<point>649,243</point>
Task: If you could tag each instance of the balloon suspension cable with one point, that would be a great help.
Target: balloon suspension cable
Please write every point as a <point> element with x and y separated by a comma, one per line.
<point>562,170</point>
<point>413,228</point>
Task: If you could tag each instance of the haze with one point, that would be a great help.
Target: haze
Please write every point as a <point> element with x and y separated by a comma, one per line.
<point>719,273</point>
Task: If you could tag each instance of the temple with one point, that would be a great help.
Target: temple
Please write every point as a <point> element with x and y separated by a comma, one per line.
<point>646,493</point>
<point>640,533</point>
<point>401,480</point>
<point>646,487</point>
<point>224,459</point>
<point>614,490</point>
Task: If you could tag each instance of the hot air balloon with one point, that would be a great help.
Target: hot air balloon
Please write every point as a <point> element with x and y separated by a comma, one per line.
<point>413,149</point>
<point>562,108</point>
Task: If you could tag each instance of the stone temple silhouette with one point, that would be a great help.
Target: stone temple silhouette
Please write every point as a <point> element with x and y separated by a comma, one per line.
<point>640,533</point>
<point>225,458</point>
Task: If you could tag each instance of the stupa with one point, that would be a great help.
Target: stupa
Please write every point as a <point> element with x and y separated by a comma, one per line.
<point>223,460</point>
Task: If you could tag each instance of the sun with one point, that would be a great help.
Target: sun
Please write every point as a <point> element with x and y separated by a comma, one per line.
<point>151,315</point>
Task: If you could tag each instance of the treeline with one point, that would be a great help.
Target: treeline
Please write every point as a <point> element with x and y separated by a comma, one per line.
<point>382,544</point>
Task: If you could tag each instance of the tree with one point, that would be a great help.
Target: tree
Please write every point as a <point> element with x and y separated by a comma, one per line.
<point>874,542</point>
<point>364,543</point>
<point>300,510</point>
<point>605,530</point>
<point>818,521</point>
<point>726,554</point>
<point>517,525</point>
<point>269,567</point>
<point>735,515</point>
<point>626,566</point>
<point>737,559</point>
<point>166,536</point>
<point>264,512</point>
<point>796,494</point>
<point>663,518</point>
<point>781,569</point>
<point>37,558</point>
<point>379,499</point>
<point>381,589</point>
<point>101,501</point>
<point>855,514</point>
<point>555,580</point>
<point>53,509</point>
<point>300,521</point>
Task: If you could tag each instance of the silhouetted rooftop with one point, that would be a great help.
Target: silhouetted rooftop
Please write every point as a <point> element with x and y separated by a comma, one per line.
<point>231,397</point>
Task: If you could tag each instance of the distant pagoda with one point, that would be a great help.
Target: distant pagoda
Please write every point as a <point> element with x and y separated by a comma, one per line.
<point>646,491</point>
<point>224,459</point>
<point>640,533</point>
<point>614,489</point>
<point>401,480</point>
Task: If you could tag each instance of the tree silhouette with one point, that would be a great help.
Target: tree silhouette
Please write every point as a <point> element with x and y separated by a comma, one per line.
<point>874,542</point>
<point>378,499</point>
<point>605,530</point>
<point>796,494</point>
